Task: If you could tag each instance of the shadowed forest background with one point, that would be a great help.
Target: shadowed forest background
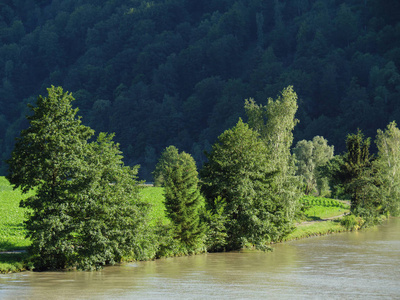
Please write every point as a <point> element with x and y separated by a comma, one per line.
<point>176,72</point>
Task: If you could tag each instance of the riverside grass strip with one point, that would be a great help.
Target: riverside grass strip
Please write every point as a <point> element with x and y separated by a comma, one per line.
<point>12,232</point>
<point>309,229</point>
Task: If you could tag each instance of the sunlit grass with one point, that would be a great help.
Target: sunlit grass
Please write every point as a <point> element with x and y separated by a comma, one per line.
<point>323,208</point>
<point>323,212</point>
<point>12,232</point>
<point>155,196</point>
<point>315,228</point>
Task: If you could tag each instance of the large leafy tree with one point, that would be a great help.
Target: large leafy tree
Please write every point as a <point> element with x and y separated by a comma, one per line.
<point>84,209</point>
<point>237,171</point>
<point>388,165</point>
<point>311,156</point>
<point>183,201</point>
<point>275,123</point>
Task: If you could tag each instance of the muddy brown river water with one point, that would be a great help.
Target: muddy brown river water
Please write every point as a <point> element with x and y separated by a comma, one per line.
<point>358,265</point>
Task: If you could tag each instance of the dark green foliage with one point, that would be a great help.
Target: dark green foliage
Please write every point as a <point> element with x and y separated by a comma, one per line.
<point>331,170</point>
<point>216,216</point>
<point>86,211</point>
<point>172,72</point>
<point>356,171</point>
<point>237,171</point>
<point>320,201</point>
<point>183,201</point>
<point>357,175</point>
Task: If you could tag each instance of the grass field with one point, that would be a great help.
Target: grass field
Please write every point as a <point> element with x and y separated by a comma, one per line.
<point>322,208</point>
<point>12,233</point>
<point>318,209</point>
<point>308,229</point>
<point>323,212</point>
<point>154,195</point>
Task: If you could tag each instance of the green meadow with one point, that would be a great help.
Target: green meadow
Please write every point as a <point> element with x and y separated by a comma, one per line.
<point>12,232</point>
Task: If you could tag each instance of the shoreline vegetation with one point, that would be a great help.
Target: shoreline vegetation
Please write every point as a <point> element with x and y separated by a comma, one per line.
<point>86,209</point>
<point>317,220</point>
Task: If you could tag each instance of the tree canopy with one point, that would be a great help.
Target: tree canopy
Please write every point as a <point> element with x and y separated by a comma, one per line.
<point>238,172</point>
<point>86,210</point>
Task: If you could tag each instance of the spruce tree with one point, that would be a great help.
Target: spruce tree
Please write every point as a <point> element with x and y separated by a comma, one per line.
<point>356,171</point>
<point>183,201</point>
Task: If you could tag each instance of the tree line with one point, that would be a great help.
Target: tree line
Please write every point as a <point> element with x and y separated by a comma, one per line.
<point>173,72</point>
<point>87,210</point>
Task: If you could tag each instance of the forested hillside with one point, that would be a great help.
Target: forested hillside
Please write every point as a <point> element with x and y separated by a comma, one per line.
<point>177,72</point>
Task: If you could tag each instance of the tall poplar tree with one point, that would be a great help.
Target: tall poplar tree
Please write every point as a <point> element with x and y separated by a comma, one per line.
<point>388,165</point>
<point>275,123</point>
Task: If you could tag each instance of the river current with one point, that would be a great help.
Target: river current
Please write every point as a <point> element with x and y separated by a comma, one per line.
<point>356,265</point>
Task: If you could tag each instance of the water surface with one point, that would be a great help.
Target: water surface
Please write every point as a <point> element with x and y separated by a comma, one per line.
<point>358,265</point>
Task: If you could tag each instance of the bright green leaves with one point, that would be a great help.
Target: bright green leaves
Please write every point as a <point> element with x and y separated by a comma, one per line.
<point>251,168</point>
<point>310,157</point>
<point>48,151</point>
<point>388,164</point>
<point>86,211</point>
<point>236,171</point>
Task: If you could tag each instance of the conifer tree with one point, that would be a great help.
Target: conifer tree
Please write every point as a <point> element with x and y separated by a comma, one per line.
<point>183,201</point>
<point>357,176</point>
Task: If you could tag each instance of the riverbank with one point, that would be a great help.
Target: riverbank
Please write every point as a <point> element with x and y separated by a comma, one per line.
<point>16,261</point>
<point>319,220</point>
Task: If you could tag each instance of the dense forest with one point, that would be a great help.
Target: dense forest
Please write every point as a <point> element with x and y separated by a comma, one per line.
<point>177,72</point>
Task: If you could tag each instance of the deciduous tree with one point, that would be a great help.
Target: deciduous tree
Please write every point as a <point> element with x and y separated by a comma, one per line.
<point>388,164</point>
<point>86,211</point>
<point>237,171</point>
<point>275,123</point>
<point>310,157</point>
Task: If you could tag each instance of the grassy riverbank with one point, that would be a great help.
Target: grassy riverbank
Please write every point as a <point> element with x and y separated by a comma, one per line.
<point>12,233</point>
<point>13,243</point>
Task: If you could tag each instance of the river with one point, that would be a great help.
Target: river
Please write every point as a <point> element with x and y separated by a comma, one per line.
<point>357,265</point>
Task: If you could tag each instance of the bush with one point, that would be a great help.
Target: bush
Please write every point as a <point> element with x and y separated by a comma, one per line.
<point>351,222</point>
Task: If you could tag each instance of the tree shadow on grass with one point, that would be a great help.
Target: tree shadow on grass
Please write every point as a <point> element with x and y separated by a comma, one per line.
<point>313,218</point>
